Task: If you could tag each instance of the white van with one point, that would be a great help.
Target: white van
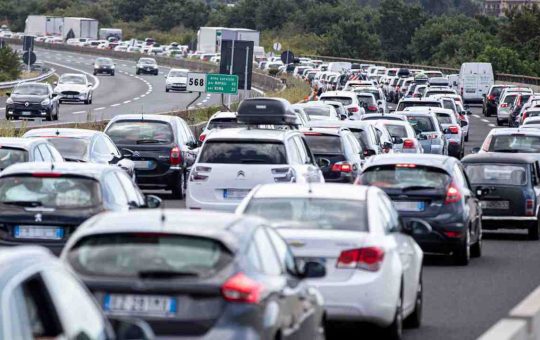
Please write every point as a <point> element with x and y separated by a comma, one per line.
<point>475,80</point>
<point>339,67</point>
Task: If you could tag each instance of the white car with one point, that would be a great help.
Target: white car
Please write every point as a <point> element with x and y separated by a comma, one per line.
<point>176,80</point>
<point>319,110</point>
<point>374,266</point>
<point>231,162</point>
<point>74,87</point>
<point>404,138</point>
<point>220,120</point>
<point>349,101</point>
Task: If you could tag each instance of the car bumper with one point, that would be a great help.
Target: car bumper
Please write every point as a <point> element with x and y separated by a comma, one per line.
<point>508,222</point>
<point>54,247</point>
<point>196,204</point>
<point>177,87</point>
<point>166,180</point>
<point>143,70</point>
<point>437,242</point>
<point>79,98</point>
<point>104,70</point>
<point>33,112</point>
<point>503,114</point>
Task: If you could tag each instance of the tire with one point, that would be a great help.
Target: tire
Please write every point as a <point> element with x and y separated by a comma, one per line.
<point>57,114</point>
<point>499,122</point>
<point>49,116</point>
<point>467,137</point>
<point>112,74</point>
<point>178,189</point>
<point>533,231</point>
<point>462,254</point>
<point>395,330</point>
<point>167,90</point>
<point>137,72</point>
<point>476,249</point>
<point>415,319</point>
<point>95,73</point>
<point>157,73</point>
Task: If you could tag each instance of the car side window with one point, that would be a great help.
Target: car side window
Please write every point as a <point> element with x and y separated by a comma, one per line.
<point>188,132</point>
<point>394,224</point>
<point>284,254</point>
<point>114,190</point>
<point>385,216</point>
<point>57,157</point>
<point>37,155</point>
<point>45,153</point>
<point>111,147</point>
<point>81,317</point>
<point>458,178</point>
<point>100,146</point>
<point>304,150</point>
<point>294,154</point>
<point>270,263</point>
<point>182,137</point>
<point>132,192</point>
<point>253,257</point>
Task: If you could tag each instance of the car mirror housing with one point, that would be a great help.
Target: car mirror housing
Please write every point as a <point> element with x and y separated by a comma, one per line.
<point>126,328</point>
<point>416,226</point>
<point>397,140</point>
<point>313,269</point>
<point>152,201</point>
<point>323,162</point>
<point>475,150</point>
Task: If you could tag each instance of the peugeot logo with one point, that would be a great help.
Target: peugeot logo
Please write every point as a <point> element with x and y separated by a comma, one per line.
<point>27,104</point>
<point>240,175</point>
<point>38,218</point>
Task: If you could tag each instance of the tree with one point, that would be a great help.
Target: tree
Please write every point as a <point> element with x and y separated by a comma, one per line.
<point>504,60</point>
<point>352,38</point>
<point>9,64</point>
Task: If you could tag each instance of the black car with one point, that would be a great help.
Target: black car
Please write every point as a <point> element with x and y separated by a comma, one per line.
<point>436,189</point>
<point>509,189</point>
<point>87,146</point>
<point>199,275</point>
<point>160,146</point>
<point>43,203</point>
<point>15,150</point>
<point>491,101</point>
<point>32,100</point>
<point>104,65</point>
<point>338,153</point>
<point>147,66</point>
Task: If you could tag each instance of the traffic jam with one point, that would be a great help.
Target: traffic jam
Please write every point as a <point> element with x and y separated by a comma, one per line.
<point>298,216</point>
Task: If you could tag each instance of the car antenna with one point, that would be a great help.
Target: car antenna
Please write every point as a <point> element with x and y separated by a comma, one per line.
<point>163,217</point>
<point>57,132</point>
<point>310,191</point>
<point>52,166</point>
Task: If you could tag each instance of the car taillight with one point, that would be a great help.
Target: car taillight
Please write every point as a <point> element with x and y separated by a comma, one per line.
<point>452,234</point>
<point>369,258</point>
<point>352,109</point>
<point>490,97</point>
<point>46,174</point>
<point>453,129</point>
<point>409,144</point>
<point>175,156</point>
<point>504,105</point>
<point>529,207</point>
<point>240,288</point>
<point>452,194</point>
<point>524,115</point>
<point>202,137</point>
<point>200,174</point>
<point>342,167</point>
<point>372,108</point>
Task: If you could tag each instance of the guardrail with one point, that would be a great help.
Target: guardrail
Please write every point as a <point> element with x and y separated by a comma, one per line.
<point>264,81</point>
<point>11,84</point>
<point>512,78</point>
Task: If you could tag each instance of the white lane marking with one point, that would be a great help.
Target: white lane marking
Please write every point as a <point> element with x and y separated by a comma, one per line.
<point>78,112</point>
<point>491,125</point>
<point>115,105</point>
<point>96,79</point>
<point>124,65</point>
<point>198,104</point>
<point>99,109</point>
<point>136,98</point>
<point>127,101</point>
<point>485,120</point>
<point>477,116</point>
<point>2,109</point>
<point>204,101</point>
<point>143,95</point>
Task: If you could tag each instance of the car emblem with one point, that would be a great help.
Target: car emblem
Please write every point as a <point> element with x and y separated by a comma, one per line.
<point>38,217</point>
<point>136,154</point>
<point>27,104</point>
<point>240,174</point>
<point>297,244</point>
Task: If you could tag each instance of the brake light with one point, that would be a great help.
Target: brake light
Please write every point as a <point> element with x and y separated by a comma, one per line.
<point>490,97</point>
<point>372,108</point>
<point>452,194</point>
<point>46,174</point>
<point>452,234</point>
<point>504,105</point>
<point>352,109</point>
<point>405,165</point>
<point>369,258</point>
<point>529,207</point>
<point>342,167</point>
<point>175,156</point>
<point>524,115</point>
<point>202,137</point>
<point>240,288</point>
<point>312,134</point>
<point>453,129</point>
<point>409,144</point>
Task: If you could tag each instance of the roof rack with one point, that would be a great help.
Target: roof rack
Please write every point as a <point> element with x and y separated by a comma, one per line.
<point>267,111</point>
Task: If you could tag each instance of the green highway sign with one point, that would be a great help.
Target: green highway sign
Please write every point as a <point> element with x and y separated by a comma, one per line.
<point>221,83</point>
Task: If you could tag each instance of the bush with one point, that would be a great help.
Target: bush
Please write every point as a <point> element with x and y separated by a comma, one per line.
<point>9,65</point>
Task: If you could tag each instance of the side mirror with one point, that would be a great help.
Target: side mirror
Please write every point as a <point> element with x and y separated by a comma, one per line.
<point>8,94</point>
<point>467,107</point>
<point>313,269</point>
<point>387,145</point>
<point>343,116</point>
<point>54,95</point>
<point>323,162</point>
<point>475,150</point>
<point>152,201</point>
<point>192,145</point>
<point>463,123</point>
<point>454,83</point>
<point>397,140</point>
<point>416,226</point>
<point>125,329</point>
<point>90,85</point>
<point>369,152</point>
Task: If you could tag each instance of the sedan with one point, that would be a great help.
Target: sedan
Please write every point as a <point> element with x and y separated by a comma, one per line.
<point>434,188</point>
<point>198,275</point>
<point>147,66</point>
<point>176,80</point>
<point>73,87</point>
<point>428,131</point>
<point>32,100</point>
<point>403,136</point>
<point>104,65</point>
<point>374,267</point>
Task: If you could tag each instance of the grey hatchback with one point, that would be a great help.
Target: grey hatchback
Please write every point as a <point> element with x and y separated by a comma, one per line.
<point>429,132</point>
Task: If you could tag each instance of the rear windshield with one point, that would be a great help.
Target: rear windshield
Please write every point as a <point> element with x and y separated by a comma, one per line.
<point>71,149</point>
<point>510,99</point>
<point>404,105</point>
<point>9,156</point>
<point>243,152</point>
<point>324,144</point>
<point>397,130</point>
<point>496,91</point>
<point>148,255</point>
<point>391,73</point>
<point>223,123</point>
<point>318,111</point>
<point>141,132</point>
<point>506,174</point>
<point>421,124</point>
<point>444,118</point>
<point>57,192</point>
<point>342,100</point>
<point>515,143</point>
<point>373,92</point>
<point>368,100</point>
<point>311,213</point>
<point>406,177</point>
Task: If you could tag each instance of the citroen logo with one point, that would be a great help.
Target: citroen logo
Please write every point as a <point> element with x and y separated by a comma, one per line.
<point>38,217</point>
<point>136,154</point>
<point>240,175</point>
<point>26,104</point>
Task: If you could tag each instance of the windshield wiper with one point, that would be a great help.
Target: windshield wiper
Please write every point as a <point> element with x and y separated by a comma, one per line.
<point>24,203</point>
<point>417,187</point>
<point>252,161</point>
<point>508,150</point>
<point>164,273</point>
<point>150,141</point>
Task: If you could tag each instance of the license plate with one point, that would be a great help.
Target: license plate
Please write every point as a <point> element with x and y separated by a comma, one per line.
<point>38,232</point>
<point>235,193</point>
<point>155,305</point>
<point>143,164</point>
<point>409,206</point>
<point>470,91</point>
<point>26,113</point>
<point>495,204</point>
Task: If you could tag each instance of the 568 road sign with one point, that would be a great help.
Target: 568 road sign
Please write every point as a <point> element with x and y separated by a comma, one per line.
<point>196,82</point>
<point>212,83</point>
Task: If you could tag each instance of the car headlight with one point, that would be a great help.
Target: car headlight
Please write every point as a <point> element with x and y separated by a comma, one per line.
<point>46,102</point>
<point>9,101</point>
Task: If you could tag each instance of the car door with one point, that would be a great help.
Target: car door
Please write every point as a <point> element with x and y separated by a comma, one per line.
<point>308,160</point>
<point>351,153</point>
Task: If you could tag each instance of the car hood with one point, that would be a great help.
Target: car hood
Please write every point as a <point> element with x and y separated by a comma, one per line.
<point>70,87</point>
<point>176,80</point>
<point>27,98</point>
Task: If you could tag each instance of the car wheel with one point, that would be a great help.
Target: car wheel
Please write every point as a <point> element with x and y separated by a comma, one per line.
<point>467,137</point>
<point>57,114</point>
<point>137,72</point>
<point>476,249</point>
<point>415,319</point>
<point>49,116</point>
<point>167,90</point>
<point>462,254</point>
<point>499,122</point>
<point>95,73</point>
<point>395,330</point>
<point>533,231</point>
<point>112,74</point>
<point>178,189</point>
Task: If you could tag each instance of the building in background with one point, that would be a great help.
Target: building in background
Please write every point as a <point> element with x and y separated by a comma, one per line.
<point>498,7</point>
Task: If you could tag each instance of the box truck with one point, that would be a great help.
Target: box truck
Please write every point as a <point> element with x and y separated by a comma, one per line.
<point>42,25</point>
<point>209,38</point>
<point>80,28</point>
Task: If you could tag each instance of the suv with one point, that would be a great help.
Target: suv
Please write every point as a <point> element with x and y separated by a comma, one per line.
<point>148,66</point>
<point>491,101</point>
<point>159,145</point>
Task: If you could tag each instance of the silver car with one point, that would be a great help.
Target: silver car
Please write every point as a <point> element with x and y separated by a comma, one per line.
<point>403,136</point>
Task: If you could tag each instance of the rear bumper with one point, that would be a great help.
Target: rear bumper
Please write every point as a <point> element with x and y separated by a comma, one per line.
<point>437,242</point>
<point>195,203</point>
<point>166,180</point>
<point>508,222</point>
<point>54,247</point>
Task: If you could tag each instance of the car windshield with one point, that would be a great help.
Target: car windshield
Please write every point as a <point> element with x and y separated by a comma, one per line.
<point>421,124</point>
<point>444,118</point>
<point>375,93</point>
<point>31,90</point>
<point>324,144</point>
<point>223,123</point>
<point>519,143</point>
<point>71,148</point>
<point>342,100</point>
<point>9,156</point>
<point>72,79</point>
<point>402,176</point>
<point>403,105</point>
<point>320,111</point>
<point>57,192</point>
<point>177,74</point>
<point>147,61</point>
<point>243,152</point>
<point>311,213</point>
<point>505,174</point>
<point>104,61</point>
<point>148,255</point>
<point>397,130</point>
<point>141,132</point>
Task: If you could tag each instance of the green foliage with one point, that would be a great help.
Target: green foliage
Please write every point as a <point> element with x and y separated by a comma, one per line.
<point>9,65</point>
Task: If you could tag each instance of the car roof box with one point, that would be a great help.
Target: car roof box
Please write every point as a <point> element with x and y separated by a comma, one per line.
<point>266,111</point>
